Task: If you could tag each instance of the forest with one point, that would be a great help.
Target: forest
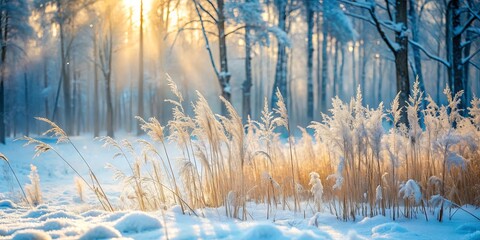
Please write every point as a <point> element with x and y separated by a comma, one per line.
<point>92,65</point>
<point>240,119</point>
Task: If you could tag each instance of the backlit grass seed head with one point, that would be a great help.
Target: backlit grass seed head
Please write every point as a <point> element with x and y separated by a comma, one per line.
<point>474,111</point>
<point>109,142</point>
<point>174,89</point>
<point>281,110</point>
<point>2,156</point>
<point>40,146</point>
<point>55,130</point>
<point>153,128</point>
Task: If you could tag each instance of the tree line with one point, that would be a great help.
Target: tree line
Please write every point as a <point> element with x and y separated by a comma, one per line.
<point>92,65</point>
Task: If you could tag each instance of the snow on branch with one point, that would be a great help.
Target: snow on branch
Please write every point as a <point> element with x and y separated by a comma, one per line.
<point>467,59</point>
<point>461,29</point>
<point>436,58</point>
<point>393,46</point>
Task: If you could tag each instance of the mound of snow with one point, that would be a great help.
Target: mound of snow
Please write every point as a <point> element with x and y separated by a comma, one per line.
<point>468,228</point>
<point>390,227</point>
<point>473,236</point>
<point>176,209</point>
<point>7,204</point>
<point>100,232</point>
<point>374,220</point>
<point>36,213</point>
<point>55,224</point>
<point>31,234</point>
<point>264,231</point>
<point>3,232</point>
<point>59,214</point>
<point>42,206</point>
<point>137,222</point>
<point>92,213</point>
<point>353,235</point>
<point>113,216</point>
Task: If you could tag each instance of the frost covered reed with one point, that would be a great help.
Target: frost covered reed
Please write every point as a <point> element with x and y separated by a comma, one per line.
<point>360,161</point>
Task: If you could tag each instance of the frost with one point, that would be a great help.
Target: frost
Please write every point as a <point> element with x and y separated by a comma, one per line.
<point>453,159</point>
<point>338,175</point>
<point>317,188</point>
<point>378,193</point>
<point>410,190</point>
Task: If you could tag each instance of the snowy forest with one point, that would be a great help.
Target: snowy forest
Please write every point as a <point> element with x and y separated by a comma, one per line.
<point>240,119</point>
<point>92,65</point>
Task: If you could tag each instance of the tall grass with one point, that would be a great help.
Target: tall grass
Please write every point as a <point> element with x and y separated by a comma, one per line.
<point>355,165</point>
<point>62,137</point>
<point>365,169</point>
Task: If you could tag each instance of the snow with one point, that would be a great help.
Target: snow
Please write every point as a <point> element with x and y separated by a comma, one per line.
<point>31,234</point>
<point>7,204</point>
<point>101,232</point>
<point>137,222</point>
<point>411,190</point>
<point>60,216</point>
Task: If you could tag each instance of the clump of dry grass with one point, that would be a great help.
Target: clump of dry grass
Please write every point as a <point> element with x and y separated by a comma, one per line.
<point>62,137</point>
<point>355,167</point>
<point>5,159</point>
<point>33,191</point>
<point>80,189</point>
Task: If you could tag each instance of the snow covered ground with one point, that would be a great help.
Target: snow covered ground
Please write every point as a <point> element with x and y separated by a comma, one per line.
<point>62,215</point>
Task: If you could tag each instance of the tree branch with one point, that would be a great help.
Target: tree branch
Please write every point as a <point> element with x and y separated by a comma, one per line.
<point>468,22</point>
<point>387,2</point>
<point>436,58</point>
<point>235,30</point>
<point>380,30</point>
<point>467,59</point>
<point>209,14</point>
<point>212,60</point>
<point>474,64</point>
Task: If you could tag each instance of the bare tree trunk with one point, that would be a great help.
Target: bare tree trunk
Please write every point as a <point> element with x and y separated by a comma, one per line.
<point>247,84</point>
<point>4,37</point>
<point>335,68</point>
<point>319,64</point>
<point>45,85</point>
<point>224,75</point>
<point>310,49</point>
<point>454,51</point>
<point>323,90</point>
<point>140,71</point>
<point>96,102</point>
<point>401,58</point>
<point>109,105</point>
<point>281,66</point>
<point>439,71</point>
<point>414,19</point>
<point>67,96</point>
<point>466,68</point>
<point>27,110</point>
<point>340,77</point>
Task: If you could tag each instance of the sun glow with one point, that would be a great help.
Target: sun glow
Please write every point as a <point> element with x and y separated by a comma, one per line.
<point>133,6</point>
